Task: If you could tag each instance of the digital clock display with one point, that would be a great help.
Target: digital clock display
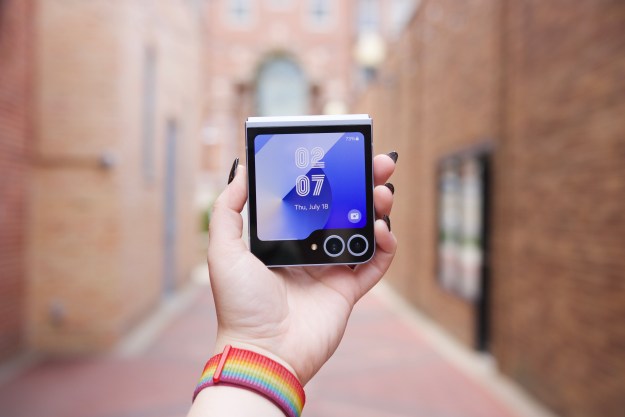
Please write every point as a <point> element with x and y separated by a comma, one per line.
<point>309,181</point>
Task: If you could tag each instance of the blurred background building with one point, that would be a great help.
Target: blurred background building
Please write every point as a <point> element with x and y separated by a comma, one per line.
<point>100,119</point>
<point>16,127</point>
<point>119,121</point>
<point>286,57</point>
<point>508,119</point>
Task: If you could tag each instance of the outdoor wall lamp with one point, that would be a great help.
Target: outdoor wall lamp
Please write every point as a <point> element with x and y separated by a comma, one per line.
<point>107,160</point>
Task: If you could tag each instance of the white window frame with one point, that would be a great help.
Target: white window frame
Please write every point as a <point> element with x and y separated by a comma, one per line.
<point>280,5</point>
<point>369,9</point>
<point>243,20</point>
<point>314,23</point>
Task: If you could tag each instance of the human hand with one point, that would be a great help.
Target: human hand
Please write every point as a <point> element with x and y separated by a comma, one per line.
<point>296,315</point>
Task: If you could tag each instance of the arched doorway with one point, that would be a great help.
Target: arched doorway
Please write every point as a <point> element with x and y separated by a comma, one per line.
<point>281,88</point>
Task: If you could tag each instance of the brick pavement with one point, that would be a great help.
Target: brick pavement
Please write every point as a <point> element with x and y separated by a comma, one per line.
<point>384,367</point>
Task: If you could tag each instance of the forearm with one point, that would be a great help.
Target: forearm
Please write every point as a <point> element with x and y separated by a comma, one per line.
<point>232,402</point>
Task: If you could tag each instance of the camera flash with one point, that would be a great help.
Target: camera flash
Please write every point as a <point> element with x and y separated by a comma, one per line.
<point>313,246</point>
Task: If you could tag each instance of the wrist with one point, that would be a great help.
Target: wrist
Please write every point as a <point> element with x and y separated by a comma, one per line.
<point>232,401</point>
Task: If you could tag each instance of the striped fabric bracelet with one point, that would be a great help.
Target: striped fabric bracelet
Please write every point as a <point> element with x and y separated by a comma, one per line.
<point>244,368</point>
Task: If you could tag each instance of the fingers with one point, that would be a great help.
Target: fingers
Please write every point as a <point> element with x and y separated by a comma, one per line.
<point>370,273</point>
<point>383,168</point>
<point>382,200</point>
<point>226,221</point>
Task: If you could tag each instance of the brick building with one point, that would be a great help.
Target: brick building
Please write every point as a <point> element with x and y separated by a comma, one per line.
<point>280,57</point>
<point>16,111</point>
<point>508,118</point>
<point>110,107</point>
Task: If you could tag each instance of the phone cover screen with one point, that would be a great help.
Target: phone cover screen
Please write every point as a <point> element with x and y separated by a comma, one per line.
<point>309,181</point>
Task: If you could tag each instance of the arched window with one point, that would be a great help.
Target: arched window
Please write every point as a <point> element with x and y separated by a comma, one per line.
<point>282,89</point>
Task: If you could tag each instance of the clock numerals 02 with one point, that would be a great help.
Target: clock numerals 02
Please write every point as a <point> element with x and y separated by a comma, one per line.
<point>313,159</point>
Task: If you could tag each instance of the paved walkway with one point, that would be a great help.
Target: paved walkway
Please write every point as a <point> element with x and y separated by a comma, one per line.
<point>384,367</point>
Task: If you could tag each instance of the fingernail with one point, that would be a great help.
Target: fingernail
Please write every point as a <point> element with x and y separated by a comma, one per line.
<point>393,155</point>
<point>387,220</point>
<point>390,187</point>
<point>233,170</point>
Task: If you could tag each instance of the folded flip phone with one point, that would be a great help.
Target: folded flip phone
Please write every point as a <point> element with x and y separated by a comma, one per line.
<point>310,190</point>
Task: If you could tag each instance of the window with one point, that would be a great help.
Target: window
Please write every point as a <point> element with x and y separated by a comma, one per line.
<point>462,234</point>
<point>281,89</point>
<point>368,16</point>
<point>240,12</point>
<point>148,114</point>
<point>320,12</point>
<point>401,12</point>
<point>280,4</point>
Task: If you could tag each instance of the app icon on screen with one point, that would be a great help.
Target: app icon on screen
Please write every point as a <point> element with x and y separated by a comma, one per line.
<point>354,216</point>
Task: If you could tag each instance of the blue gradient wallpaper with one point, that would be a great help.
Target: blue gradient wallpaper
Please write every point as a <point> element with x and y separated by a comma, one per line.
<point>309,181</point>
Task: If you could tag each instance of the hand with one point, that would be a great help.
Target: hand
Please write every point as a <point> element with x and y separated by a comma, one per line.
<point>296,315</point>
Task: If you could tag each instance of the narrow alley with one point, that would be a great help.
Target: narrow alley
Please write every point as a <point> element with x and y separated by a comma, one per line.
<point>388,364</point>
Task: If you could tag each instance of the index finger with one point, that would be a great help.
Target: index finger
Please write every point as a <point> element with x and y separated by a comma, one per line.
<point>383,168</point>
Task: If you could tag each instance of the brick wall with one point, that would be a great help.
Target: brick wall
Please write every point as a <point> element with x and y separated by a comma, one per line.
<point>436,95</point>
<point>16,63</point>
<point>74,234</point>
<point>236,52</point>
<point>560,290</point>
<point>97,224</point>
<point>177,47</point>
<point>542,83</point>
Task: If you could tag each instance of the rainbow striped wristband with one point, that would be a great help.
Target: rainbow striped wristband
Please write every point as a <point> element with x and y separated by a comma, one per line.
<point>244,368</point>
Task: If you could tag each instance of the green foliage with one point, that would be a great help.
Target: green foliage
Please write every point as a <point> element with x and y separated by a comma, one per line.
<point>205,218</point>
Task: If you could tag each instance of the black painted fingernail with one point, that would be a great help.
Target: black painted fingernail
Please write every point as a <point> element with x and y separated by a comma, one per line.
<point>233,170</point>
<point>387,220</point>
<point>393,155</point>
<point>390,187</point>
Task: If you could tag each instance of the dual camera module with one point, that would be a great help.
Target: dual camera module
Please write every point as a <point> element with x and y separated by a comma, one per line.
<point>335,245</point>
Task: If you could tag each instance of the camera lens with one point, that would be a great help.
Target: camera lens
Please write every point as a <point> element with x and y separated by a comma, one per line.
<point>334,246</point>
<point>357,245</point>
